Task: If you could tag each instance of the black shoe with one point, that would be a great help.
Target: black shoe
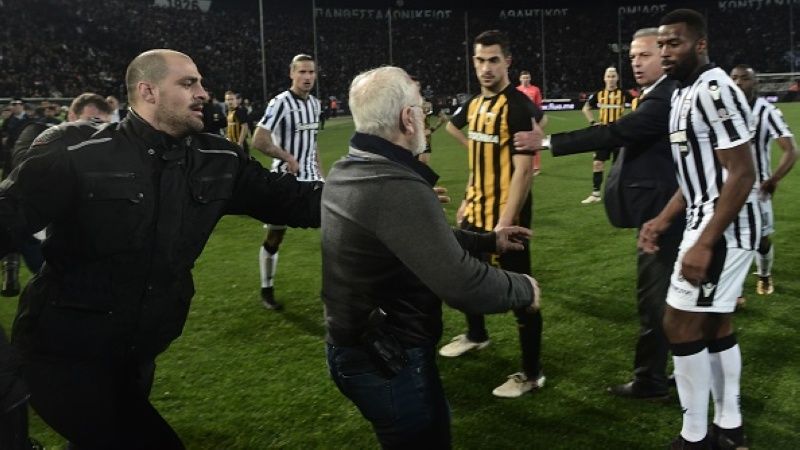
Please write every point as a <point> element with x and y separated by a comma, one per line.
<point>632,390</point>
<point>682,444</point>
<point>671,381</point>
<point>268,300</point>
<point>727,438</point>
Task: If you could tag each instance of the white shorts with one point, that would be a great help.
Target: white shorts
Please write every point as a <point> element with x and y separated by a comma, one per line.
<point>726,274</point>
<point>767,217</point>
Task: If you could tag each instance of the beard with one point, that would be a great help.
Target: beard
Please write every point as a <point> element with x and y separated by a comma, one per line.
<point>419,137</point>
<point>180,125</point>
<point>682,70</point>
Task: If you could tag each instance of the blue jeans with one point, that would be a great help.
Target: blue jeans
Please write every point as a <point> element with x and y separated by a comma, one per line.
<point>406,411</point>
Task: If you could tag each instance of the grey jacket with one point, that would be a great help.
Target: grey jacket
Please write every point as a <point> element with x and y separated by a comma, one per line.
<point>385,242</point>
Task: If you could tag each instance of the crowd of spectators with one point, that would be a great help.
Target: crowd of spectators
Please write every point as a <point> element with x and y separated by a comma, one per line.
<point>60,48</point>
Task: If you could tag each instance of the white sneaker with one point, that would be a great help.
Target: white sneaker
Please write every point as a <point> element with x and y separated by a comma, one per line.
<point>460,345</point>
<point>518,384</point>
<point>592,198</point>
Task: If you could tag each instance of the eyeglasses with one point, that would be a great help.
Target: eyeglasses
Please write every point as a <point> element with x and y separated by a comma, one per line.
<point>425,107</point>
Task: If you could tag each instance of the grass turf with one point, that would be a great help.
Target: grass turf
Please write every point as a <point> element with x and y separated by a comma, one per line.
<point>242,377</point>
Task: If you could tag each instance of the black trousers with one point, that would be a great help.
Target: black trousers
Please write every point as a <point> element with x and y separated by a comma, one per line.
<point>13,396</point>
<point>529,323</point>
<point>99,404</point>
<point>652,284</point>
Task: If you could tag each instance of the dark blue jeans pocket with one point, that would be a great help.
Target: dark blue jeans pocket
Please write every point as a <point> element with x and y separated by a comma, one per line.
<point>359,380</point>
<point>404,403</point>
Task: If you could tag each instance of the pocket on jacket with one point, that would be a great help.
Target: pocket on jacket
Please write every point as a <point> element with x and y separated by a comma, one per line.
<point>73,332</point>
<point>210,188</point>
<point>113,209</point>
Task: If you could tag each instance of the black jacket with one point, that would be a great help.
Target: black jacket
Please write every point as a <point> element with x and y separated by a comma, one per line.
<point>647,179</point>
<point>128,210</point>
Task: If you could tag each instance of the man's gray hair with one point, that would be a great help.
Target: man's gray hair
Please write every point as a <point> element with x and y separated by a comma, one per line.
<point>378,96</point>
<point>645,32</point>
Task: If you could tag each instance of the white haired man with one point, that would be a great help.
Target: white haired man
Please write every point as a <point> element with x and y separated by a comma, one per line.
<point>382,282</point>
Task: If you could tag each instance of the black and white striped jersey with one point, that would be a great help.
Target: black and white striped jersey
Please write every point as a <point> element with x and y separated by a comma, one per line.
<point>769,125</point>
<point>294,123</point>
<point>710,114</point>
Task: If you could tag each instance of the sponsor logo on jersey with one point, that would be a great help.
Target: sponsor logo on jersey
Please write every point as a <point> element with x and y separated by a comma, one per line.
<point>308,126</point>
<point>483,137</point>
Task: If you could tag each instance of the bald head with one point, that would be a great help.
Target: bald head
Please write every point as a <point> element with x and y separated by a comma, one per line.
<point>150,66</point>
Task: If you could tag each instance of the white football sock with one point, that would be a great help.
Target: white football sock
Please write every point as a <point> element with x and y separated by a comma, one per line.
<point>693,379</point>
<point>726,371</point>
<point>268,264</point>
<point>764,262</point>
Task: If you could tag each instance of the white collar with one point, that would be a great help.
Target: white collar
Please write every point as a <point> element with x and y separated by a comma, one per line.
<point>647,90</point>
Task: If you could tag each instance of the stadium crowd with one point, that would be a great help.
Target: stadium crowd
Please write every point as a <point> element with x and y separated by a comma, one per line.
<point>49,51</point>
<point>51,48</point>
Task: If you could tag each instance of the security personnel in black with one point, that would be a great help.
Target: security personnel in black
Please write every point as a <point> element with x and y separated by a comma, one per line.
<point>641,182</point>
<point>129,208</point>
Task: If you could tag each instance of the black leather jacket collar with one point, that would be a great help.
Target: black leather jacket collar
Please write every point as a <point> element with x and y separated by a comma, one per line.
<point>152,137</point>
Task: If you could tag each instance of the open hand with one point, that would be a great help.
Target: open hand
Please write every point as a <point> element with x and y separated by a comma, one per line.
<point>648,236</point>
<point>511,238</point>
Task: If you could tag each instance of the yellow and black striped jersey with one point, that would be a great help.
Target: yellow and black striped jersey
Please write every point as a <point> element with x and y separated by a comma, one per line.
<point>635,102</point>
<point>236,117</point>
<point>491,123</point>
<point>611,104</point>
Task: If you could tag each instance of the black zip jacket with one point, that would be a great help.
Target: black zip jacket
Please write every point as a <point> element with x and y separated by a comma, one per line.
<point>128,211</point>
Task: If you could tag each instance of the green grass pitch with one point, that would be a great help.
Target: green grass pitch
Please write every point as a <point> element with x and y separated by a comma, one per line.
<point>242,377</point>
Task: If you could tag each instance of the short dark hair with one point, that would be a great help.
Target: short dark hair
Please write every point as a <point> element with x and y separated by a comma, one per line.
<point>743,67</point>
<point>524,72</point>
<point>694,21</point>
<point>89,98</point>
<point>495,37</point>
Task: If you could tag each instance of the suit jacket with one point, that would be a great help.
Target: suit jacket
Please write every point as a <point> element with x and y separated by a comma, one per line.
<point>647,173</point>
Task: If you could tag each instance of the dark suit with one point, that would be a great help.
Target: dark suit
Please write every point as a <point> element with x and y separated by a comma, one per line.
<point>647,181</point>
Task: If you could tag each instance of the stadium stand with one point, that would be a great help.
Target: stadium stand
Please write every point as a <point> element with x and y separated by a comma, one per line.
<point>59,48</point>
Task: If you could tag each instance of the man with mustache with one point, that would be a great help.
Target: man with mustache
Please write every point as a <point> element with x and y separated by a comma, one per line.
<point>128,208</point>
<point>710,140</point>
<point>288,134</point>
